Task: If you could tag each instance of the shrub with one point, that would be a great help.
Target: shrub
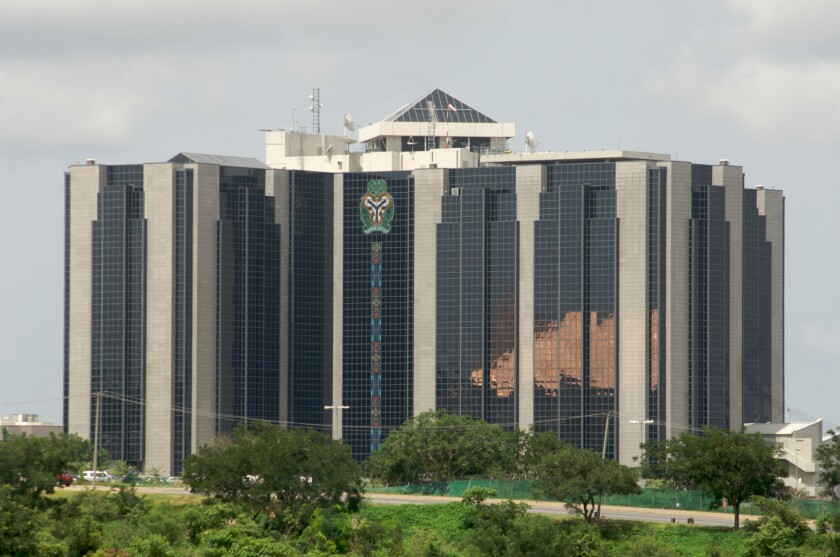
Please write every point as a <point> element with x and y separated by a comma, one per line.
<point>648,547</point>
<point>152,545</point>
<point>774,539</point>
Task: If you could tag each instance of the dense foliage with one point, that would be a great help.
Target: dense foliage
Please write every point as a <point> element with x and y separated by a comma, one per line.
<point>283,474</point>
<point>725,465</point>
<point>827,456</point>
<point>579,477</point>
<point>438,446</point>
<point>123,523</point>
<point>29,465</point>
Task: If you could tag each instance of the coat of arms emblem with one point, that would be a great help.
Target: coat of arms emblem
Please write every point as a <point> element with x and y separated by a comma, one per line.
<point>376,208</point>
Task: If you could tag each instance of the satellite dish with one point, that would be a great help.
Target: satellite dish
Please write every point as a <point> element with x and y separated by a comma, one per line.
<point>349,123</point>
<point>530,141</point>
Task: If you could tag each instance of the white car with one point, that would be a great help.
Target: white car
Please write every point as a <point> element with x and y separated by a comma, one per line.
<point>101,475</point>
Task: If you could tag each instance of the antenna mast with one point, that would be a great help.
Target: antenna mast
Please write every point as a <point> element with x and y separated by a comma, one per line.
<point>430,142</point>
<point>315,109</point>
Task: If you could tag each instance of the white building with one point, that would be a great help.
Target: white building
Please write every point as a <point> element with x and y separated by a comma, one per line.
<point>800,442</point>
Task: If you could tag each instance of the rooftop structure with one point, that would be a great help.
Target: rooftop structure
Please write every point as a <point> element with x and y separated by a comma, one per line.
<point>28,424</point>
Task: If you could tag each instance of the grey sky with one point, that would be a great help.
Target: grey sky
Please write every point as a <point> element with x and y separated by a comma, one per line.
<point>754,81</point>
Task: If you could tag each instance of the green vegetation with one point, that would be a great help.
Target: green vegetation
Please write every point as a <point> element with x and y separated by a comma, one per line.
<point>285,475</point>
<point>126,524</point>
<point>271,492</point>
<point>29,465</point>
<point>827,456</point>
<point>580,477</point>
<point>725,465</point>
<point>437,446</point>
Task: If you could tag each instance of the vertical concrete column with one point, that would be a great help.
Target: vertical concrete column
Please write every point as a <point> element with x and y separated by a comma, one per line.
<point>159,205</point>
<point>631,184</point>
<point>205,235</point>
<point>338,306</point>
<point>85,184</point>
<point>678,216</point>
<point>530,181</point>
<point>771,204</point>
<point>732,179</point>
<point>277,185</point>
<point>429,187</point>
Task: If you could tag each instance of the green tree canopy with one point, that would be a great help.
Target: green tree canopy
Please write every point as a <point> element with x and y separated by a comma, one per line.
<point>29,465</point>
<point>533,448</point>
<point>722,464</point>
<point>438,446</point>
<point>827,456</point>
<point>285,474</point>
<point>579,476</point>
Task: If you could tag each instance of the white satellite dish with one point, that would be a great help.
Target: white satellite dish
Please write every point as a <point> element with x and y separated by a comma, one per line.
<point>349,123</point>
<point>530,141</point>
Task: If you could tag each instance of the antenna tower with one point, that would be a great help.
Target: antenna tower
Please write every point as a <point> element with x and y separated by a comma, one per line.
<point>430,142</point>
<point>315,109</point>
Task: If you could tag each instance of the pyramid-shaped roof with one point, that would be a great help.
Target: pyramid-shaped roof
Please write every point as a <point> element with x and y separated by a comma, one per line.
<point>448,108</point>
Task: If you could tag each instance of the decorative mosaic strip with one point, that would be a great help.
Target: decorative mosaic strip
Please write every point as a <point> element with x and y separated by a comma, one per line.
<point>375,344</point>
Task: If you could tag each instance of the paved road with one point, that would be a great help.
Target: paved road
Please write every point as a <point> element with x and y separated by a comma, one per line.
<point>538,507</point>
<point>551,508</point>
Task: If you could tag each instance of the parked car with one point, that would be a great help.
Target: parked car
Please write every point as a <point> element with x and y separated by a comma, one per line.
<point>101,475</point>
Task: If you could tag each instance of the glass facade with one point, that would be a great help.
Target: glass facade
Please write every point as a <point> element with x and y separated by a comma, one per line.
<point>575,303</point>
<point>119,314</point>
<point>476,361</point>
<point>248,300</point>
<point>377,404</point>
<point>656,376</point>
<point>708,311</point>
<point>475,319</point>
<point>756,292</point>
<point>310,298</point>
<point>65,410</point>
<point>182,324</point>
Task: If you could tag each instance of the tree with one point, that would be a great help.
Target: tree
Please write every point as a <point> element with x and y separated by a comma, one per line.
<point>285,474</point>
<point>827,457</point>
<point>29,465</point>
<point>438,446</point>
<point>722,464</point>
<point>579,476</point>
<point>18,522</point>
<point>534,447</point>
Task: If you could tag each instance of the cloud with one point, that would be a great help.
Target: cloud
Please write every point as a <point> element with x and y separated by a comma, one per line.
<point>103,99</point>
<point>50,27</point>
<point>788,29</point>
<point>774,91</point>
<point>69,101</point>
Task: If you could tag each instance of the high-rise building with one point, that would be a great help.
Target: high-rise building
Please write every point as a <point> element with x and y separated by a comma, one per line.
<point>608,296</point>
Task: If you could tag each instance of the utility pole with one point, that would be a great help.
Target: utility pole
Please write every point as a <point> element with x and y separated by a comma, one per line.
<point>606,432</point>
<point>98,396</point>
<point>604,454</point>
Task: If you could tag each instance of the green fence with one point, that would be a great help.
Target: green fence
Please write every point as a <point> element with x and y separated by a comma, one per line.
<point>505,489</point>
<point>649,498</point>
